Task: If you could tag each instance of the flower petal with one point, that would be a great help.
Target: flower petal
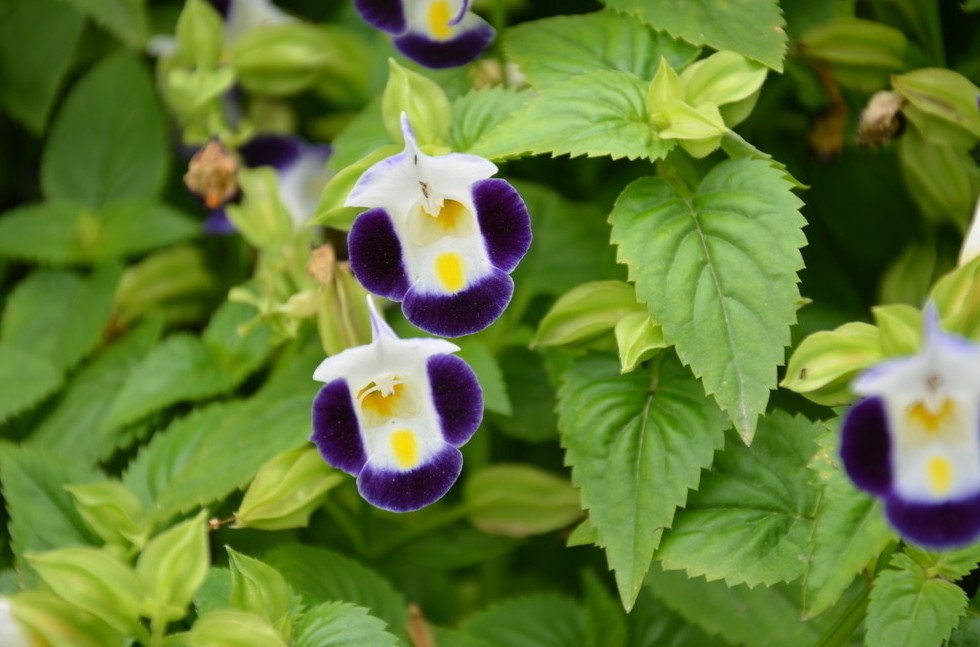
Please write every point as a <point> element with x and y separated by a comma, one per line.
<point>218,224</point>
<point>406,491</point>
<point>462,313</point>
<point>376,255</point>
<point>277,151</point>
<point>457,397</point>
<point>444,43</point>
<point>504,222</point>
<point>866,446</point>
<point>336,432</point>
<point>942,526</point>
<point>386,15</point>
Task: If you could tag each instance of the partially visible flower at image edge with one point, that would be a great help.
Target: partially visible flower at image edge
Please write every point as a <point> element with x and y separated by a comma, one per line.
<point>434,33</point>
<point>11,633</point>
<point>300,168</point>
<point>440,236</point>
<point>394,413</point>
<point>914,439</point>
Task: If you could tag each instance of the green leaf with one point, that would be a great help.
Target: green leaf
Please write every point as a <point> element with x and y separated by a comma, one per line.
<point>531,396</point>
<point>35,316</point>
<point>77,424</point>
<point>42,512</point>
<point>757,617</point>
<point>652,624</point>
<point>225,627</point>
<point>32,70</point>
<point>26,378</point>
<point>823,365</point>
<point>93,580</point>
<point>519,501</point>
<point>185,367</point>
<point>215,450</point>
<point>571,244</point>
<point>908,608</point>
<point>751,518</point>
<point>585,312</point>
<point>215,592</point>
<point>855,42</point>
<point>421,99</point>
<point>322,575</point>
<point>718,272</point>
<point>636,443</point>
<point>478,112</point>
<point>491,378</point>
<point>260,589</point>
<point>557,48</point>
<point>335,624</point>
<point>849,532</point>
<point>124,19</point>
<point>593,114</point>
<point>752,28</point>
<point>171,567</point>
<point>66,233</point>
<point>605,622</point>
<point>364,133</point>
<point>529,621</point>
<point>945,95</point>
<point>109,140</point>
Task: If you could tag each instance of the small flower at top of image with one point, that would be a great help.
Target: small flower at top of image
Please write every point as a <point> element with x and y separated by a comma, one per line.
<point>11,633</point>
<point>440,236</point>
<point>434,33</point>
<point>299,166</point>
<point>393,413</point>
<point>914,439</point>
<point>971,242</point>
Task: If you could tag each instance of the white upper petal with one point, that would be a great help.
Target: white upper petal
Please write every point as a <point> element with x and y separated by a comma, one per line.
<point>396,183</point>
<point>244,15</point>
<point>971,244</point>
<point>11,633</point>
<point>301,184</point>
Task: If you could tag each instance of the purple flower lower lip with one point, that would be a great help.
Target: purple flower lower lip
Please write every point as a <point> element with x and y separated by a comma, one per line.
<point>394,413</point>
<point>434,33</point>
<point>914,439</point>
<point>441,237</point>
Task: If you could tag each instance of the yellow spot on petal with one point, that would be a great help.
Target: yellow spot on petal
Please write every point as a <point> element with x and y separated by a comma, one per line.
<point>940,473</point>
<point>405,447</point>
<point>449,271</point>
<point>928,419</point>
<point>438,19</point>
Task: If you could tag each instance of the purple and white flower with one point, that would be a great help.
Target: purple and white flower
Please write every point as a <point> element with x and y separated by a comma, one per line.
<point>434,33</point>
<point>394,413</point>
<point>914,439</point>
<point>301,171</point>
<point>440,236</point>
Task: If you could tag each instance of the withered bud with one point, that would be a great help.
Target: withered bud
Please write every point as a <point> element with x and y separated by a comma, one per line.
<point>882,119</point>
<point>489,72</point>
<point>211,174</point>
<point>323,260</point>
<point>418,628</point>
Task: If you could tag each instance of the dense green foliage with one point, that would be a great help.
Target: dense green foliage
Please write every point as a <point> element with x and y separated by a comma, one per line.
<point>722,241</point>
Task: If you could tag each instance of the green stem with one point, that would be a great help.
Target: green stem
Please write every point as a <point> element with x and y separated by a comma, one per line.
<point>346,524</point>
<point>934,34</point>
<point>842,630</point>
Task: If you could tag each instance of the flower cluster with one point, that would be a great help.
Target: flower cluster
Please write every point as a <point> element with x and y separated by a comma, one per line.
<point>441,237</point>
<point>393,413</point>
<point>434,33</point>
<point>914,439</point>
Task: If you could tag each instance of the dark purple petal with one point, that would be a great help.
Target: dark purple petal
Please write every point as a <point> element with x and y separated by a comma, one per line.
<point>447,53</point>
<point>218,224</point>
<point>407,491</point>
<point>944,525</point>
<point>386,15</point>
<point>335,430</point>
<point>457,396</point>
<point>866,446</point>
<point>504,222</point>
<point>277,151</point>
<point>462,313</point>
<point>376,255</point>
